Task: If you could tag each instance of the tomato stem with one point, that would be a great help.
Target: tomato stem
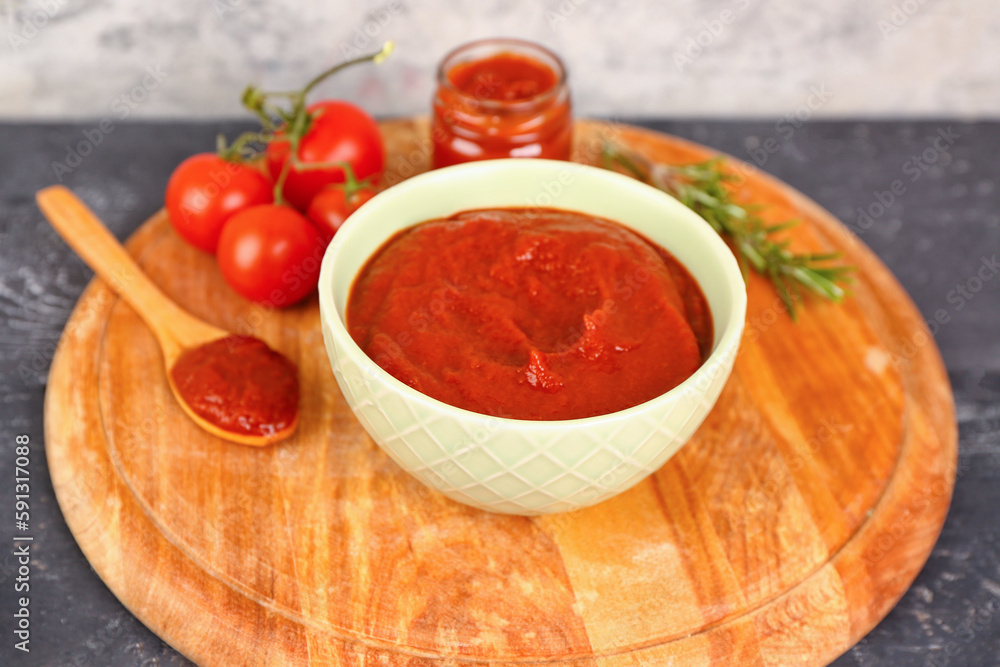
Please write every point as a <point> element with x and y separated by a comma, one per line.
<point>292,124</point>
<point>240,150</point>
<point>295,121</point>
<point>351,182</point>
<point>376,58</point>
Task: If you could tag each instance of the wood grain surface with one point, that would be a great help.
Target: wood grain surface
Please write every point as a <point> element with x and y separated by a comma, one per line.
<point>781,534</point>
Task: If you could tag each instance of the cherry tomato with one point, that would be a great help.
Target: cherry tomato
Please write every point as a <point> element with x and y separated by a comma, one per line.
<point>332,205</point>
<point>339,132</point>
<point>203,193</point>
<point>271,254</point>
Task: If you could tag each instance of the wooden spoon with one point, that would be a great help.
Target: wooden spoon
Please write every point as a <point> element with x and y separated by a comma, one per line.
<point>176,330</point>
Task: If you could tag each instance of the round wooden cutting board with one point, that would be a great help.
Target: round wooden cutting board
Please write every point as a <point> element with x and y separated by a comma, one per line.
<point>781,534</point>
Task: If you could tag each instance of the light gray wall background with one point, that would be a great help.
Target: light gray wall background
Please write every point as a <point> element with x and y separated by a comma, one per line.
<point>71,59</point>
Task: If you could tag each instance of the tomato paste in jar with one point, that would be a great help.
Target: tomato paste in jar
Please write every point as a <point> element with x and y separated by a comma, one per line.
<point>500,98</point>
<point>538,314</point>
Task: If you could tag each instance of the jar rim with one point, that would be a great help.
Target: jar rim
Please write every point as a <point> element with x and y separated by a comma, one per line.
<point>504,45</point>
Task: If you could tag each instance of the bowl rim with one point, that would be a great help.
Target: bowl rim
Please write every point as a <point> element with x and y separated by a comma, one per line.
<point>728,342</point>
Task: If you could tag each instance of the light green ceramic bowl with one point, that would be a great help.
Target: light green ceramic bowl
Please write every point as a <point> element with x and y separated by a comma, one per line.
<point>517,466</point>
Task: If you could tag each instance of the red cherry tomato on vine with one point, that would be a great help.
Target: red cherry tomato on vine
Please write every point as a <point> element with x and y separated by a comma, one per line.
<point>339,132</point>
<point>271,254</point>
<point>332,205</point>
<point>205,191</point>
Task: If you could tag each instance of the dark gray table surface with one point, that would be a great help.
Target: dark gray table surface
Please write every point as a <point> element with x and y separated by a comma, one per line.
<point>934,237</point>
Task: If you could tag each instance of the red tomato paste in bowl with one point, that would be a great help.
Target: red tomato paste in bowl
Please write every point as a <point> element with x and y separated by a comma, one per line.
<point>538,314</point>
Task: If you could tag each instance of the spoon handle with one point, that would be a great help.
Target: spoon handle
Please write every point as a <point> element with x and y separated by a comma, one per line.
<point>88,236</point>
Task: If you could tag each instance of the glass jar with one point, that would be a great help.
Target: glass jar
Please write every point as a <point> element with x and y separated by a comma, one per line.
<point>501,98</point>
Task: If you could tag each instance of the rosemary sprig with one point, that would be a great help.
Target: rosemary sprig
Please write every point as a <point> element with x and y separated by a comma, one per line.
<point>702,188</point>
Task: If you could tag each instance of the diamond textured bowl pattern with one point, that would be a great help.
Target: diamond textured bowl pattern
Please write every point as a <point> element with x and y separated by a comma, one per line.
<point>488,463</point>
<point>518,466</point>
